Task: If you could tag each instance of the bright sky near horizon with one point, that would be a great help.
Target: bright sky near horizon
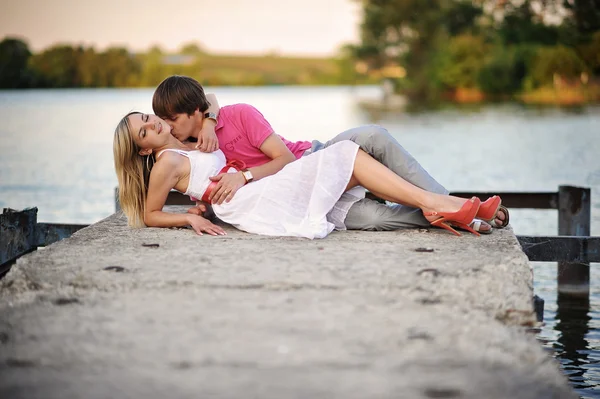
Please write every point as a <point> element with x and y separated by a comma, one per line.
<point>287,27</point>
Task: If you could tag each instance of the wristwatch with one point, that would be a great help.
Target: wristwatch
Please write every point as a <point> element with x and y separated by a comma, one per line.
<point>247,175</point>
<point>211,115</point>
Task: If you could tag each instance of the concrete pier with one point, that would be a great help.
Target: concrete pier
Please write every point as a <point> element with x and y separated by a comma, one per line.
<point>114,312</point>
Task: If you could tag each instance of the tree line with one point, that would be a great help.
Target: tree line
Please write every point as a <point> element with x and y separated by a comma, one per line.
<point>435,49</point>
<point>67,66</point>
<point>494,47</point>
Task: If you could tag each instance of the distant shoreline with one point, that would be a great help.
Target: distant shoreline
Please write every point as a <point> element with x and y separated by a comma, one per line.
<point>570,96</point>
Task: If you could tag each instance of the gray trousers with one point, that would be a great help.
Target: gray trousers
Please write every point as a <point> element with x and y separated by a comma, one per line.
<point>368,214</point>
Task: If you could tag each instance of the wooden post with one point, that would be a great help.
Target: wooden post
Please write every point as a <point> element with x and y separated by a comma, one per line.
<point>17,235</point>
<point>538,306</point>
<point>20,234</point>
<point>574,217</point>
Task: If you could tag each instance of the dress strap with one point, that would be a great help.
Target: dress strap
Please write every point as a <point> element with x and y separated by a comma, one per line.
<point>180,152</point>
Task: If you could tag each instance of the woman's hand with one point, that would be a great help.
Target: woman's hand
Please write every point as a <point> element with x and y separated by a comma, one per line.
<point>227,186</point>
<point>207,138</point>
<point>199,224</point>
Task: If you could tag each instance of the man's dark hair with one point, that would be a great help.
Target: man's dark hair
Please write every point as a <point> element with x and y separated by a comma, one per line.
<point>177,95</point>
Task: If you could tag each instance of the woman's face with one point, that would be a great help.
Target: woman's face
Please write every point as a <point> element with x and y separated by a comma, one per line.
<point>149,131</point>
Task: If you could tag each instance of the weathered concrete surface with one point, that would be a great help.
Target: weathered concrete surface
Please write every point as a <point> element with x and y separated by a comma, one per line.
<point>357,315</point>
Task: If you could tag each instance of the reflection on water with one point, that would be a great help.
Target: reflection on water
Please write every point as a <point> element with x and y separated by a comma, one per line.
<point>571,331</point>
<point>571,346</point>
<point>56,154</point>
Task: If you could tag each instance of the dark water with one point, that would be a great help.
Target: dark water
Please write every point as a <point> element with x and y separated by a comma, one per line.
<point>572,348</point>
<point>56,154</point>
<point>572,332</point>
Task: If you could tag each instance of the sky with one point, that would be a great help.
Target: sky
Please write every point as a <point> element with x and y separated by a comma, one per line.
<point>286,27</point>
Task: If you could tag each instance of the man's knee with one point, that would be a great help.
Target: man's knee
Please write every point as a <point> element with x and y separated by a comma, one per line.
<point>369,222</point>
<point>372,137</point>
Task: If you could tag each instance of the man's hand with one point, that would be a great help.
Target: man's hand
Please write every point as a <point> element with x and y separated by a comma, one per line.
<point>199,224</point>
<point>227,186</point>
<point>199,209</point>
<point>207,138</point>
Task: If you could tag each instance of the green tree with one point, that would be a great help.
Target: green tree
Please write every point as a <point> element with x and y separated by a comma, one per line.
<point>153,68</point>
<point>411,33</point>
<point>499,47</point>
<point>560,60</point>
<point>191,49</point>
<point>463,59</point>
<point>461,17</point>
<point>496,77</point>
<point>58,66</point>
<point>14,57</point>
<point>117,67</point>
<point>584,15</point>
<point>506,69</point>
<point>522,25</point>
<point>590,53</point>
<point>88,68</point>
<point>346,69</point>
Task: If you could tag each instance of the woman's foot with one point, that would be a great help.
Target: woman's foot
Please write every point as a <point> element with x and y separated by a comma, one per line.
<point>493,212</point>
<point>444,204</point>
<point>448,211</point>
<point>481,226</point>
<point>502,218</point>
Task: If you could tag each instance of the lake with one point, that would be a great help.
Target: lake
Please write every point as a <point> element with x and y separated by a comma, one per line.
<point>56,154</point>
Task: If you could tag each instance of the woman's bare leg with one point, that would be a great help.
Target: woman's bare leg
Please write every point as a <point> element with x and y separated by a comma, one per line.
<point>387,185</point>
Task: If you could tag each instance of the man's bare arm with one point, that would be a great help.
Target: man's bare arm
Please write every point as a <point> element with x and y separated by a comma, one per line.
<point>214,104</point>
<point>280,155</point>
<point>207,138</point>
<point>229,183</point>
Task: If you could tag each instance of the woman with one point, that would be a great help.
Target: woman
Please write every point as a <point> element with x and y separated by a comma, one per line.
<point>294,202</point>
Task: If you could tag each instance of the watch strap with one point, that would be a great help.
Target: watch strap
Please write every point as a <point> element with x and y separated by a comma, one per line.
<point>211,115</point>
<point>244,171</point>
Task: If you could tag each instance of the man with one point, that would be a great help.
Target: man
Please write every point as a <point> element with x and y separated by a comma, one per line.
<point>243,133</point>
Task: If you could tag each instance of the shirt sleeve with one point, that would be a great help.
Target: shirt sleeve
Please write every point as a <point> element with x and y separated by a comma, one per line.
<point>254,124</point>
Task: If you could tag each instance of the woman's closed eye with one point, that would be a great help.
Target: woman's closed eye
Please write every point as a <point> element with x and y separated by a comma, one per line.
<point>144,131</point>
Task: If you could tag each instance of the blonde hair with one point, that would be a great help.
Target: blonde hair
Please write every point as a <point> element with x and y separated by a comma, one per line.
<point>133,173</point>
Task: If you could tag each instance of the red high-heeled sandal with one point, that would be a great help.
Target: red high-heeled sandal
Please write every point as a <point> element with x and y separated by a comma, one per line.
<point>489,208</point>
<point>461,218</point>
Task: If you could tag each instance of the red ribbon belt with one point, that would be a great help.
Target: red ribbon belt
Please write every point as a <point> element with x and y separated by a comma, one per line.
<point>236,164</point>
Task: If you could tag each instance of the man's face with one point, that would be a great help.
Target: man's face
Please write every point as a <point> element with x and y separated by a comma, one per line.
<point>182,125</point>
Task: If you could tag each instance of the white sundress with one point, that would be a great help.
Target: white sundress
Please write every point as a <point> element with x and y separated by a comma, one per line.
<point>301,200</point>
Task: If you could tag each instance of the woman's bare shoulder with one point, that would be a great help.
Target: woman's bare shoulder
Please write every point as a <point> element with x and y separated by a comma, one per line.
<point>169,163</point>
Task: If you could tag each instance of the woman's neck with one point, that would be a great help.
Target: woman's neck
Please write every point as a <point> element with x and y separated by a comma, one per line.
<point>173,144</point>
